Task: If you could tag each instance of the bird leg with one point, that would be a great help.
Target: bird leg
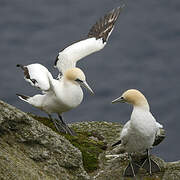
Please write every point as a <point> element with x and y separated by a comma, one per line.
<point>132,169</point>
<point>150,165</point>
<point>68,130</point>
<point>59,128</point>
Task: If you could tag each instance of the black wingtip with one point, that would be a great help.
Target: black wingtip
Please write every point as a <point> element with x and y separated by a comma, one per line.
<point>103,27</point>
<point>117,143</point>
<point>22,96</point>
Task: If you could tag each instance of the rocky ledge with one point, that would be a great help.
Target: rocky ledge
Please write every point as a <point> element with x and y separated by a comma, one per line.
<point>32,149</point>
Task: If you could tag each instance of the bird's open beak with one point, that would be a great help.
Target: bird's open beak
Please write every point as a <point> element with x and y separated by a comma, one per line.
<point>85,85</point>
<point>119,99</point>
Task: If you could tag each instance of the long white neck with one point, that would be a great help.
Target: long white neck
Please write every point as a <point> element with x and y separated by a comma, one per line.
<point>143,106</point>
<point>140,113</point>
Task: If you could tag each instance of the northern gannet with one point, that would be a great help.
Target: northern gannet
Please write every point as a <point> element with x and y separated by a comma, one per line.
<point>139,133</point>
<point>63,94</point>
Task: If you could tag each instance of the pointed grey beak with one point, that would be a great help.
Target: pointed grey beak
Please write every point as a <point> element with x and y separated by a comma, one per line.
<point>119,99</point>
<point>85,85</point>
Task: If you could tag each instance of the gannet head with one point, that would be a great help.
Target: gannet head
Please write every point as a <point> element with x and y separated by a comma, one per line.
<point>76,75</point>
<point>134,97</point>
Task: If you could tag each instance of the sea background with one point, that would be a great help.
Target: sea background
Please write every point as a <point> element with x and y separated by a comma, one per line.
<point>143,53</point>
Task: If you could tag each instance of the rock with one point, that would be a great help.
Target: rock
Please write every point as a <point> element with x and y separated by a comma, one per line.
<point>172,171</point>
<point>32,150</point>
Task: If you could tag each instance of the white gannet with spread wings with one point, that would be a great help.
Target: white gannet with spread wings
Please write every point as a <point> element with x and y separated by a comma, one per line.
<point>63,94</point>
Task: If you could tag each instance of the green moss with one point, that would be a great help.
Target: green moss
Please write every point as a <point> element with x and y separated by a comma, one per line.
<point>90,149</point>
<point>90,145</point>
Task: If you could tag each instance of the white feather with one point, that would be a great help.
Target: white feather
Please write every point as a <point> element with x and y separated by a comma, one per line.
<point>139,133</point>
<point>70,55</point>
<point>41,75</point>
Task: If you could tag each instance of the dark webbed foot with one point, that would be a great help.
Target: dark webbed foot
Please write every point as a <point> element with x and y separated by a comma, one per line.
<point>132,169</point>
<point>150,166</point>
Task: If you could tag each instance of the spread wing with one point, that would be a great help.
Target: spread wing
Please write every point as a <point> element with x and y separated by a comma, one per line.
<point>37,75</point>
<point>97,39</point>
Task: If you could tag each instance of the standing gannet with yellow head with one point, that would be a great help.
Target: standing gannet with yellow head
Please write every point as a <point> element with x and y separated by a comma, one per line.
<point>138,134</point>
<point>65,93</point>
<point>58,96</point>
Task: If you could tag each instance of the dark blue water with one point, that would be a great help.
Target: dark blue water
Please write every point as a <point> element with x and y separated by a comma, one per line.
<point>143,52</point>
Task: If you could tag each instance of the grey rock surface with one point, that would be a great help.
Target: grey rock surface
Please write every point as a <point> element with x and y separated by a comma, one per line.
<point>31,150</point>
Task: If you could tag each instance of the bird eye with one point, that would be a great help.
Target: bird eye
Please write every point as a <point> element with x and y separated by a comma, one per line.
<point>122,97</point>
<point>78,80</point>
